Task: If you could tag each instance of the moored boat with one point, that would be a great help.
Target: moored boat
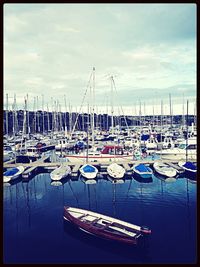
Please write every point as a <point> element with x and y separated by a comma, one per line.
<point>142,170</point>
<point>116,171</point>
<point>88,171</point>
<point>107,154</point>
<point>164,169</point>
<point>104,226</point>
<point>189,168</point>
<point>179,153</point>
<point>61,172</point>
<point>12,173</point>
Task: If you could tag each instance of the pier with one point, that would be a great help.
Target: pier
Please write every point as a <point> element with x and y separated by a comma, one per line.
<point>40,165</point>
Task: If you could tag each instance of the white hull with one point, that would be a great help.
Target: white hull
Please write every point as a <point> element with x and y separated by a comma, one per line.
<point>100,158</point>
<point>88,175</point>
<point>175,155</point>
<point>60,173</point>
<point>164,169</point>
<point>116,171</point>
<point>16,175</point>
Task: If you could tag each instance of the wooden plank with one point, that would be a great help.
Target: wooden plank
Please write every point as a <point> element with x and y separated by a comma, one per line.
<point>75,169</point>
<point>77,165</point>
<point>29,171</point>
<point>10,161</point>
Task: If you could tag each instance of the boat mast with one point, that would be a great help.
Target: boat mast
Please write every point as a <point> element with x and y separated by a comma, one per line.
<point>43,113</point>
<point>170,104</point>
<point>34,115</point>
<point>153,114</point>
<point>112,111</point>
<point>93,99</point>
<point>48,125</point>
<point>187,134</point>
<point>65,125</point>
<point>70,119</point>
<point>7,115</point>
<point>161,125</point>
<point>28,127</point>
<point>87,134</point>
<point>38,122</point>
<point>183,114</point>
<point>14,116</point>
<point>24,123</point>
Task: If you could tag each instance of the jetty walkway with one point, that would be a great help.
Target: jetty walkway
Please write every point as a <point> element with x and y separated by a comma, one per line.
<point>41,165</point>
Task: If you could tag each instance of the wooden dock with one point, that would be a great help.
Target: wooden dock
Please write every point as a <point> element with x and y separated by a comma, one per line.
<point>34,167</point>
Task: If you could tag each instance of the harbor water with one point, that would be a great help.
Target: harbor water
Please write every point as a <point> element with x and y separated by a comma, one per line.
<point>34,230</point>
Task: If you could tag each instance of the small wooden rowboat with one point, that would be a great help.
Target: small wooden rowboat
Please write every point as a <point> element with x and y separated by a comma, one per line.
<point>104,226</point>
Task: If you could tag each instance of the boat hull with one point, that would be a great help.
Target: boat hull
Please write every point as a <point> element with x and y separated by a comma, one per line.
<point>8,178</point>
<point>60,173</point>
<point>88,174</point>
<point>102,158</point>
<point>100,232</point>
<point>146,174</point>
<point>165,171</point>
<point>115,171</point>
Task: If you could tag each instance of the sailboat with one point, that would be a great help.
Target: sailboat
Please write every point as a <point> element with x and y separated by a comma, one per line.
<point>114,170</point>
<point>101,153</point>
<point>87,170</point>
<point>12,173</point>
<point>61,172</point>
<point>142,171</point>
<point>189,168</point>
<point>164,169</point>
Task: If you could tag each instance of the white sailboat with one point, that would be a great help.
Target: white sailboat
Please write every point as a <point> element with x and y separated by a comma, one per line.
<point>164,169</point>
<point>114,170</point>
<point>12,173</point>
<point>61,172</point>
<point>87,170</point>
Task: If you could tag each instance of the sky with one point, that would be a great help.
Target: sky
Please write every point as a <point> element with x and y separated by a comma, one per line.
<point>149,49</point>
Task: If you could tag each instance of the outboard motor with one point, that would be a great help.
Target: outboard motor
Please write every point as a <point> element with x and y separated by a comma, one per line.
<point>145,230</point>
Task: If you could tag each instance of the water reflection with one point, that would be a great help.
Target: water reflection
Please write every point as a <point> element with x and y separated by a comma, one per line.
<point>115,181</point>
<point>155,204</point>
<point>132,253</point>
<point>142,180</point>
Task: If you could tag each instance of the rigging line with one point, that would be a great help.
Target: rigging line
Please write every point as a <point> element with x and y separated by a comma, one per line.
<point>73,193</point>
<point>127,195</point>
<point>120,105</point>
<point>82,103</point>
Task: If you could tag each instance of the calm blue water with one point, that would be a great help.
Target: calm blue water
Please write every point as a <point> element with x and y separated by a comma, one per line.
<point>34,231</point>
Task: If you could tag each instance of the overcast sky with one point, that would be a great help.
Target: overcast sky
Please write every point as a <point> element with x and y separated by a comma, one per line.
<point>150,49</point>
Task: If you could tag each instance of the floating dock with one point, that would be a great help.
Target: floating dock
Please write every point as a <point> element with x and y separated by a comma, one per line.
<point>40,165</point>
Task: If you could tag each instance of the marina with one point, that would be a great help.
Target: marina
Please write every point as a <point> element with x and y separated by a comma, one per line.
<point>99,134</point>
<point>126,175</point>
<point>37,167</point>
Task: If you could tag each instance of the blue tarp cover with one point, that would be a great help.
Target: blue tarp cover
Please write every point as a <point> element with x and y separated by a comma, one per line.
<point>11,172</point>
<point>89,168</point>
<point>142,168</point>
<point>145,137</point>
<point>190,165</point>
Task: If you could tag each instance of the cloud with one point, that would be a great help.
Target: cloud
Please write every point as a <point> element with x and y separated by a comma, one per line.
<point>52,48</point>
